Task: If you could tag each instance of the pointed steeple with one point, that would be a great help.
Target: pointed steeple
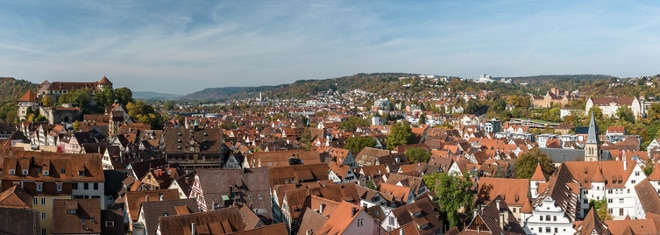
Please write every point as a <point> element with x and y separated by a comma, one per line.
<point>592,145</point>
<point>592,134</point>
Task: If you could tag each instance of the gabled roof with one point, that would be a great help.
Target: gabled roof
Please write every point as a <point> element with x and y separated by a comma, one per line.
<point>15,197</point>
<point>29,96</point>
<point>592,225</point>
<point>648,196</point>
<point>104,81</point>
<point>563,189</point>
<point>221,221</point>
<point>512,191</point>
<point>489,219</point>
<point>154,209</point>
<point>341,219</point>
<point>134,199</point>
<point>421,213</point>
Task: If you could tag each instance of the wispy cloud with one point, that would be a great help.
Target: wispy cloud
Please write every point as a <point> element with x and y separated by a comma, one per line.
<point>181,47</point>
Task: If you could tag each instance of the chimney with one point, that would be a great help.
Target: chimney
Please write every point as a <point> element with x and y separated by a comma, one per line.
<point>321,207</point>
<point>193,229</point>
<point>625,161</point>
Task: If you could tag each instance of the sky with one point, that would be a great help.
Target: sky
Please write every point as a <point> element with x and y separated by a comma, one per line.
<point>179,47</point>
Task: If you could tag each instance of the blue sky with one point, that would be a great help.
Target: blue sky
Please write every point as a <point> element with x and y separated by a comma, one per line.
<point>180,47</point>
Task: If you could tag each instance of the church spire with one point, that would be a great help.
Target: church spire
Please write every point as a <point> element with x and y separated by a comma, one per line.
<point>592,146</point>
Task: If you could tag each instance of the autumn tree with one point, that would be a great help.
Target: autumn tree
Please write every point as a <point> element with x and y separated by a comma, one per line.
<point>415,155</point>
<point>454,196</point>
<point>47,101</point>
<point>526,164</point>
<point>144,113</point>
<point>353,123</point>
<point>357,143</point>
<point>306,139</point>
<point>400,134</point>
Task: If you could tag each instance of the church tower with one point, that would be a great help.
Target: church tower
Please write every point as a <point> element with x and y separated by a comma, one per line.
<point>592,146</point>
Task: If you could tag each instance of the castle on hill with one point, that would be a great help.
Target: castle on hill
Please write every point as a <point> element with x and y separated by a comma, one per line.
<point>31,101</point>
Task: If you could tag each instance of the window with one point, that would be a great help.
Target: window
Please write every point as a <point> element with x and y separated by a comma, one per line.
<point>59,186</point>
<point>109,223</point>
<point>540,229</point>
<point>85,186</point>
<point>391,220</point>
<point>636,173</point>
<point>633,181</point>
<point>43,231</point>
<point>620,211</point>
<point>541,217</point>
<point>547,217</point>
<point>46,172</point>
<point>556,230</point>
<point>261,197</point>
<point>25,172</point>
<point>620,200</point>
<point>96,186</point>
<point>81,173</point>
<point>250,196</point>
<point>609,211</point>
<point>43,201</point>
<point>547,230</point>
<point>74,186</point>
<point>43,215</point>
<point>609,200</point>
<point>554,218</point>
<point>62,171</point>
<point>39,186</point>
<point>71,211</point>
<point>35,200</point>
<point>12,172</point>
<point>166,214</point>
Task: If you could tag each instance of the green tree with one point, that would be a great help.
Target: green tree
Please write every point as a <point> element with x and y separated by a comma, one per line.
<point>168,105</point>
<point>306,139</point>
<point>47,101</point>
<point>123,95</point>
<point>422,119</point>
<point>454,197</point>
<point>355,144</point>
<point>76,125</point>
<point>144,113</point>
<point>104,97</point>
<point>415,155</point>
<point>526,164</point>
<point>601,208</point>
<point>370,184</point>
<point>597,111</point>
<point>400,134</point>
<point>353,123</point>
<point>654,112</point>
<point>626,114</point>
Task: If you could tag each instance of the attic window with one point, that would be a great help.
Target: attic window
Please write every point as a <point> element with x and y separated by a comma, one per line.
<point>25,172</point>
<point>81,173</point>
<point>166,214</point>
<point>205,134</point>
<point>62,171</point>
<point>71,211</point>
<point>12,172</point>
<point>178,147</point>
<point>178,140</point>
<point>179,134</point>
<point>46,172</point>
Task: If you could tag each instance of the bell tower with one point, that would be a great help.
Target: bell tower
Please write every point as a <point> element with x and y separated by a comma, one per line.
<point>592,146</point>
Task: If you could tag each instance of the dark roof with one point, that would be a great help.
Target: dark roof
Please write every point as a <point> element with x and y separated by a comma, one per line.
<point>563,155</point>
<point>142,168</point>
<point>155,209</point>
<point>247,184</point>
<point>78,216</point>
<point>648,196</point>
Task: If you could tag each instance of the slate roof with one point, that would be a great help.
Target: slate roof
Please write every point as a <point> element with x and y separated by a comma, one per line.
<point>488,220</point>
<point>134,199</point>
<point>247,184</point>
<point>420,212</point>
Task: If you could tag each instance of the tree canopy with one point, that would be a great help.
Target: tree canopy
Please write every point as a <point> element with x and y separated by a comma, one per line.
<point>415,155</point>
<point>357,143</point>
<point>526,164</point>
<point>400,134</point>
<point>454,196</point>
<point>145,113</point>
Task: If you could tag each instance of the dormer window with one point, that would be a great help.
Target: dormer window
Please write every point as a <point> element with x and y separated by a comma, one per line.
<point>39,186</point>
<point>62,171</point>
<point>46,172</point>
<point>25,172</point>
<point>81,173</point>
<point>12,172</point>
<point>71,211</point>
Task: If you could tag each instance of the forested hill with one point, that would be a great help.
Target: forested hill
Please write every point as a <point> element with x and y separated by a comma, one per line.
<point>387,83</point>
<point>10,91</point>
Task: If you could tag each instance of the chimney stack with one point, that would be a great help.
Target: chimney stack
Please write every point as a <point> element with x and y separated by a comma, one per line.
<point>321,207</point>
